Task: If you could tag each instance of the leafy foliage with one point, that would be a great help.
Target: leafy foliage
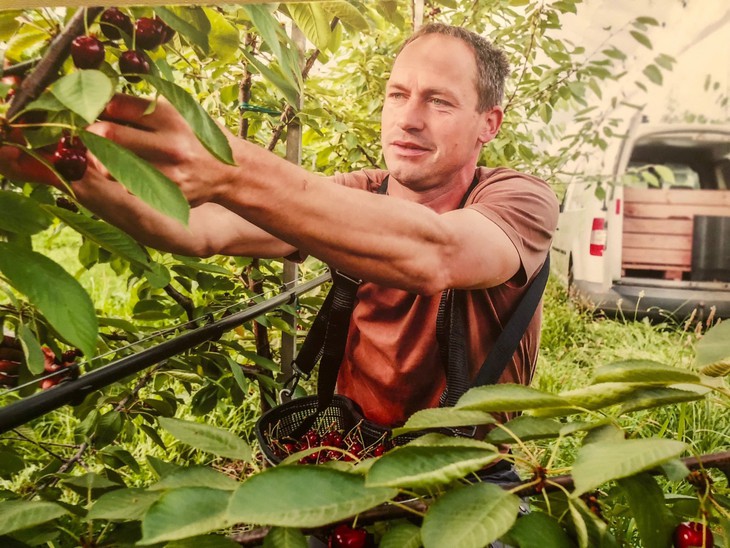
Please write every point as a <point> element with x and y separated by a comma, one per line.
<point>159,474</point>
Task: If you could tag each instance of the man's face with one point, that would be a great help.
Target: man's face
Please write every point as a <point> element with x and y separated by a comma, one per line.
<point>431,130</point>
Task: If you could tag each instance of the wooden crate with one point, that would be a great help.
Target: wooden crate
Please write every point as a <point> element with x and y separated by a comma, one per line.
<point>657,226</point>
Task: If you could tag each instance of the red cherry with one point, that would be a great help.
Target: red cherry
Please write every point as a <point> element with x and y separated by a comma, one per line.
<point>70,163</point>
<point>72,142</point>
<point>48,383</point>
<point>310,439</point>
<point>112,21</point>
<point>132,63</point>
<point>149,32</point>
<point>379,450</point>
<point>167,32</point>
<point>332,438</point>
<point>345,536</point>
<point>87,52</point>
<point>49,360</point>
<point>693,534</point>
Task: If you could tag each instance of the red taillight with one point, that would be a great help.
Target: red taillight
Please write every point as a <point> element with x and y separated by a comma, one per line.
<point>618,207</point>
<point>598,236</point>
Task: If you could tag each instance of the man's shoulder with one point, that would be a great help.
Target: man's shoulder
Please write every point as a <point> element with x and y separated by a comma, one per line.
<point>498,174</point>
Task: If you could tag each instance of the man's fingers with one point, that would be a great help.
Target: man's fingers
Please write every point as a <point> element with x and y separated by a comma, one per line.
<point>135,111</point>
<point>146,144</point>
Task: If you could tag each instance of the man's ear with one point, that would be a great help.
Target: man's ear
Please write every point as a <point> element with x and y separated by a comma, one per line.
<point>492,120</point>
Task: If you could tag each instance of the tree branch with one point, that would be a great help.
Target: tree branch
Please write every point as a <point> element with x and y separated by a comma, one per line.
<point>50,64</point>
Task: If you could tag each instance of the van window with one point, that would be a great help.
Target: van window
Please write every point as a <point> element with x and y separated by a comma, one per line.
<point>665,175</point>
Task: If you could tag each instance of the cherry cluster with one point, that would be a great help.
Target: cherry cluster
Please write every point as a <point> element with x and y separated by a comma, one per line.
<point>147,33</point>
<point>335,444</point>
<point>54,364</point>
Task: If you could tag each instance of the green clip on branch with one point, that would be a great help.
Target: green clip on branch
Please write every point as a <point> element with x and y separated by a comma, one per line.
<point>256,108</point>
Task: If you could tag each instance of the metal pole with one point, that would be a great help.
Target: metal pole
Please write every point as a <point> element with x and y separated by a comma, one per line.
<point>74,391</point>
<point>294,155</point>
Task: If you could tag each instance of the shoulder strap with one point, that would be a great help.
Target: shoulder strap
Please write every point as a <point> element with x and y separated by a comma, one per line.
<point>509,339</point>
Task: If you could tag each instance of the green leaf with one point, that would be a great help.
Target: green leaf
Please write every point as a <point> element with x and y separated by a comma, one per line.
<point>469,517</point>
<point>285,85</point>
<point>284,496</point>
<point>641,38</point>
<point>312,19</point>
<point>224,39</point>
<point>507,397</point>
<point>653,519</point>
<point>402,535</point>
<point>714,347</point>
<point>539,529</point>
<point>21,215</point>
<point>140,177</point>
<point>185,512</point>
<point>205,541</point>
<point>422,466</point>
<point>9,23</point>
<point>190,22</point>
<point>85,92</point>
<point>21,514</point>
<point>645,371</point>
<point>206,130</point>
<point>34,358</point>
<point>207,438</point>
<point>660,396</point>
<point>525,428</point>
<point>123,504</point>
<point>443,417</point>
<point>601,395</point>
<point>285,537</point>
<point>57,294</point>
<point>195,476</point>
<point>654,75</point>
<point>348,14</point>
<point>600,462</point>
<point>267,26</point>
<point>104,235</point>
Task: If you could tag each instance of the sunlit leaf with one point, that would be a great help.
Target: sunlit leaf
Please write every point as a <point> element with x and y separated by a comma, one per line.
<point>713,349</point>
<point>507,397</point>
<point>206,130</point>
<point>469,517</point>
<point>423,466</point>
<point>85,92</point>
<point>123,504</point>
<point>207,438</point>
<point>283,496</point>
<point>643,371</point>
<point>443,417</point>
<point>140,177</point>
<point>598,463</point>
<point>57,294</point>
<point>185,512</point>
<point>313,21</point>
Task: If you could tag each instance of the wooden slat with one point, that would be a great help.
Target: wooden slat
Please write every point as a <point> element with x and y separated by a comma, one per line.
<point>666,211</point>
<point>657,241</point>
<point>665,258</point>
<point>717,198</point>
<point>657,226</point>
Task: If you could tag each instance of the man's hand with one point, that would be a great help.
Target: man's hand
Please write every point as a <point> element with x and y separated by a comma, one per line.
<point>156,132</point>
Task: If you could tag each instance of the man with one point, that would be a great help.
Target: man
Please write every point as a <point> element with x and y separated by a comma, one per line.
<point>441,106</point>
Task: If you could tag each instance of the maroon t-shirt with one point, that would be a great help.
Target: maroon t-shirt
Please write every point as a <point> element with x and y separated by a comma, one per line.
<point>392,366</point>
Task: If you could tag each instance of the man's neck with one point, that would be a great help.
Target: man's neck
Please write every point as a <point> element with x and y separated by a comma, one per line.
<point>440,199</point>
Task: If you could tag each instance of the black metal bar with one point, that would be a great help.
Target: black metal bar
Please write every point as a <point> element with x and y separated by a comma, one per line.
<point>36,405</point>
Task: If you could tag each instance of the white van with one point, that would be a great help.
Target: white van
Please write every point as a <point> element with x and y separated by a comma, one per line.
<point>651,235</point>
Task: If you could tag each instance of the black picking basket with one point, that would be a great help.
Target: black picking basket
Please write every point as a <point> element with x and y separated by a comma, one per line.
<point>283,422</point>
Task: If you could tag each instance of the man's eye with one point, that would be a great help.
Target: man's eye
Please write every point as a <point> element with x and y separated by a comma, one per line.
<point>439,102</point>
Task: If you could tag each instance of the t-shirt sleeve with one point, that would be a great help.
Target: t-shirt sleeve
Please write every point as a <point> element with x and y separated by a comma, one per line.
<point>526,209</point>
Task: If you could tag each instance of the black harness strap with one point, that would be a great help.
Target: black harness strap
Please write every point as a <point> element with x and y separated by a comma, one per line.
<point>327,338</point>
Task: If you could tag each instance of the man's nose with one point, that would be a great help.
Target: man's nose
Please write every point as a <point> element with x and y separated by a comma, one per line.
<point>411,115</point>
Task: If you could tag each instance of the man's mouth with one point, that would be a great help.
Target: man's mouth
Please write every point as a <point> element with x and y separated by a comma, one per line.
<point>408,148</point>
